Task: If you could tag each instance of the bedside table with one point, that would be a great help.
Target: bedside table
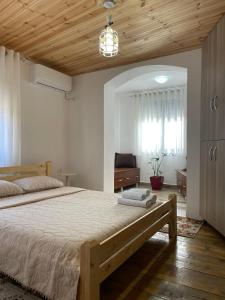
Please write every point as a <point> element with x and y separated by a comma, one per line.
<point>67,176</point>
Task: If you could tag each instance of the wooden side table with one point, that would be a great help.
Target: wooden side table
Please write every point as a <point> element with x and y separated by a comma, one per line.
<point>182,181</point>
<point>67,176</point>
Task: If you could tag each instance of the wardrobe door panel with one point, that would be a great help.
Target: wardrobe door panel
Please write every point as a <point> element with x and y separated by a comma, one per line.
<point>211,185</point>
<point>203,178</point>
<point>211,83</point>
<point>204,97</point>
<point>219,157</point>
<point>208,113</point>
<point>219,102</point>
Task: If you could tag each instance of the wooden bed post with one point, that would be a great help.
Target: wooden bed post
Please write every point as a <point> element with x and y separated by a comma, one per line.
<point>89,262</point>
<point>173,221</point>
<point>48,168</point>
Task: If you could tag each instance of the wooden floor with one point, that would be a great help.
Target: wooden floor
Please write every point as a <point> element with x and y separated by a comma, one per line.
<point>191,269</point>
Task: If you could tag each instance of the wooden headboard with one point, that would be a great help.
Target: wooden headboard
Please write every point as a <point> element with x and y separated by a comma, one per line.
<point>17,172</point>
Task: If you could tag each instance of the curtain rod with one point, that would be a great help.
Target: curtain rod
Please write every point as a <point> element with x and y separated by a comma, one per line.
<point>153,90</point>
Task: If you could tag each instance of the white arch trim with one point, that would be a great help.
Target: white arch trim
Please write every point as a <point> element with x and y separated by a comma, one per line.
<point>122,78</point>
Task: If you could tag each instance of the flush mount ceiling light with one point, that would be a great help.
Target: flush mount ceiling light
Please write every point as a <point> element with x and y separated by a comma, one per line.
<point>161,79</point>
<point>109,3</point>
<point>108,39</point>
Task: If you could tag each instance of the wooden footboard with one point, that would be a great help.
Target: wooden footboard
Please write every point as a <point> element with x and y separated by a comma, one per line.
<point>99,260</point>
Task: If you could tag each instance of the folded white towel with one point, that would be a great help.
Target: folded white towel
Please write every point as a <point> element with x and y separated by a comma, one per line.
<point>136,194</point>
<point>144,203</point>
<point>141,190</point>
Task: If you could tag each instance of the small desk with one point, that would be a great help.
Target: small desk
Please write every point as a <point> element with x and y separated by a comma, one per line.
<point>182,181</point>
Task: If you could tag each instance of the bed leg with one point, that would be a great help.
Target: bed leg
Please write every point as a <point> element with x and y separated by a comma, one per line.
<point>173,221</point>
<point>89,283</point>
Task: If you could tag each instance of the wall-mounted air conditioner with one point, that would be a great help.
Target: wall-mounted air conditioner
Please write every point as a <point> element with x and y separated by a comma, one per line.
<point>48,77</point>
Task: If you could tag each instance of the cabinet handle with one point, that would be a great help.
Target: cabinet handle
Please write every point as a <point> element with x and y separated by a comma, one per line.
<point>215,102</point>
<point>211,104</point>
<point>210,153</point>
<point>128,178</point>
<point>214,155</point>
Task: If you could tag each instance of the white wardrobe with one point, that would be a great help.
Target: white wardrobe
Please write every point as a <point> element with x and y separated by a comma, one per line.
<point>213,129</point>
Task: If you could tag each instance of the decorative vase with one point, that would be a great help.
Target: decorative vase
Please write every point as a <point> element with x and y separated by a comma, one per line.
<point>157,182</point>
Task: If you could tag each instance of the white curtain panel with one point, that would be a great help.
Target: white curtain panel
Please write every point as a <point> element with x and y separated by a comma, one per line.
<point>158,122</point>
<point>10,114</point>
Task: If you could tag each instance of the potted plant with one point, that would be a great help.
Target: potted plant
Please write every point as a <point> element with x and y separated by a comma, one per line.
<point>157,180</point>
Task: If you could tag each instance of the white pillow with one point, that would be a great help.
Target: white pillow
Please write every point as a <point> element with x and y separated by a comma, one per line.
<point>38,183</point>
<point>9,189</point>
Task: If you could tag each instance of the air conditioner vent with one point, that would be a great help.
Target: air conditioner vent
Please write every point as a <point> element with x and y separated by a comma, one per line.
<point>48,77</point>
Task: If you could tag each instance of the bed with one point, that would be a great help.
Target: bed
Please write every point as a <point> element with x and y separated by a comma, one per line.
<point>64,242</point>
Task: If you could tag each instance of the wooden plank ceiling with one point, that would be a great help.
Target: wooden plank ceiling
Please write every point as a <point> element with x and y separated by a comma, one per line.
<point>63,34</point>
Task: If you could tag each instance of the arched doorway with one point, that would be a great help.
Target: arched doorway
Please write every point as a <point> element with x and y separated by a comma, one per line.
<point>110,90</point>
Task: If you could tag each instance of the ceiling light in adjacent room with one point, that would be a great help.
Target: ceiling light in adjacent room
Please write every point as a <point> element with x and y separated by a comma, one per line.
<point>161,79</point>
<point>108,40</point>
<point>109,3</point>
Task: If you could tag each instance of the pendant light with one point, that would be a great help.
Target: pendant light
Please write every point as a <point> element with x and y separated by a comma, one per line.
<point>108,39</point>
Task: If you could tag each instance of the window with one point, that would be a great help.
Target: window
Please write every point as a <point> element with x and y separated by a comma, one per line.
<point>160,121</point>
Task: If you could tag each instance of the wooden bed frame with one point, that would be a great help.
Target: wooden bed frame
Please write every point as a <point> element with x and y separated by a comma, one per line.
<point>17,172</point>
<point>99,260</point>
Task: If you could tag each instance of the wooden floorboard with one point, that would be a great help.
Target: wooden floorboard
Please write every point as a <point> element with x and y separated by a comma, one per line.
<point>191,269</point>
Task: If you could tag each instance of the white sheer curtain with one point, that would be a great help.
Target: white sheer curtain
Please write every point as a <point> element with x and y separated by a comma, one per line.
<point>159,121</point>
<point>10,127</point>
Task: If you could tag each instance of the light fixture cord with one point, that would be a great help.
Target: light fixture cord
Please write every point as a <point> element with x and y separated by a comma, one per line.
<point>109,20</point>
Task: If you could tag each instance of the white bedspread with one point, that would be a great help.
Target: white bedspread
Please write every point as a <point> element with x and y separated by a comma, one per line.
<point>41,234</point>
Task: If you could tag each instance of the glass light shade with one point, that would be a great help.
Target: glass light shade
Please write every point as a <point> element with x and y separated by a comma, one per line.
<point>161,79</point>
<point>108,42</point>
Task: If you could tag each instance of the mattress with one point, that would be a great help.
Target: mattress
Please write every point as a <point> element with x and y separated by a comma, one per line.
<point>41,235</point>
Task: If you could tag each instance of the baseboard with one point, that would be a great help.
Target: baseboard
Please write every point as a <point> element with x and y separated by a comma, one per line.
<point>169,186</point>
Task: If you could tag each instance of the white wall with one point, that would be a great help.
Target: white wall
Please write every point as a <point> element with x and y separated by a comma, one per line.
<point>44,123</point>
<point>86,117</point>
